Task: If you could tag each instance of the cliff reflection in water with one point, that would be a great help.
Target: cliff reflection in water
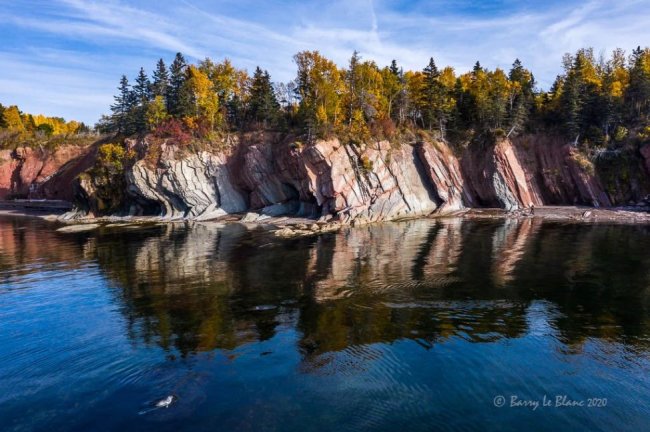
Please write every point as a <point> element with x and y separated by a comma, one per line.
<point>392,326</point>
<point>209,286</point>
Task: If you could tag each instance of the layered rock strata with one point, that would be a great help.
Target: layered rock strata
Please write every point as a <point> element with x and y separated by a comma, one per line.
<point>270,176</point>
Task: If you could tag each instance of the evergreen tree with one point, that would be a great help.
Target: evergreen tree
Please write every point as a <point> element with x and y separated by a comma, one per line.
<point>142,97</point>
<point>142,88</point>
<point>177,78</point>
<point>573,101</point>
<point>121,118</point>
<point>433,99</point>
<point>263,106</point>
<point>430,93</point>
<point>580,102</point>
<point>160,83</point>
<point>351,80</point>
<point>3,123</point>
<point>521,97</point>
<point>394,69</point>
<point>637,96</point>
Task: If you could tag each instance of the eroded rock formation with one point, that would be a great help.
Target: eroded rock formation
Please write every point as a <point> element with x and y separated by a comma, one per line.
<point>41,173</point>
<point>271,175</point>
<point>326,179</point>
<point>329,179</point>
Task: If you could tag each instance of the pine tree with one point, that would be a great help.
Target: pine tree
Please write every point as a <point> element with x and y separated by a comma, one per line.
<point>142,96</point>
<point>351,78</point>
<point>160,83</point>
<point>521,96</point>
<point>433,98</point>
<point>3,123</point>
<point>637,96</point>
<point>429,93</point>
<point>263,106</point>
<point>580,101</point>
<point>394,69</point>
<point>121,118</point>
<point>142,88</point>
<point>176,79</point>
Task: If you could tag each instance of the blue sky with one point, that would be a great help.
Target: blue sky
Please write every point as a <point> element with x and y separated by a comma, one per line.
<point>65,57</point>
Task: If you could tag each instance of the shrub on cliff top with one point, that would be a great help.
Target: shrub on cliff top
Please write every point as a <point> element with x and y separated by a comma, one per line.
<point>107,176</point>
<point>175,129</point>
<point>110,159</point>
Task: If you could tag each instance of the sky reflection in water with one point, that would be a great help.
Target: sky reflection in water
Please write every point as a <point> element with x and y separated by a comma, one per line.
<point>417,325</point>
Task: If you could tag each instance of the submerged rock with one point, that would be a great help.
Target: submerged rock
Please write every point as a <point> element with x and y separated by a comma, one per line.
<point>284,232</point>
<point>78,228</point>
<point>250,218</point>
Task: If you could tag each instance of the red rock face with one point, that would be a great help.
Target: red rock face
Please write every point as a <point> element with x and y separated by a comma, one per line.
<point>377,182</point>
<point>7,168</point>
<point>532,170</point>
<point>60,171</point>
<point>28,173</point>
<point>557,174</point>
<point>380,181</point>
<point>514,176</point>
<point>275,175</point>
<point>495,178</point>
<point>445,173</point>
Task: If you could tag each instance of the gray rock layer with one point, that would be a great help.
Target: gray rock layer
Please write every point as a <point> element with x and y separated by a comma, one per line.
<point>327,178</point>
<point>343,182</point>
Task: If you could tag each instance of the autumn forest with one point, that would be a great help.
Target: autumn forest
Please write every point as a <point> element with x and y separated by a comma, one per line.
<point>596,102</point>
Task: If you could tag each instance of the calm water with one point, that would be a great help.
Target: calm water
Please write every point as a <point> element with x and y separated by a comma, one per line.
<point>418,325</point>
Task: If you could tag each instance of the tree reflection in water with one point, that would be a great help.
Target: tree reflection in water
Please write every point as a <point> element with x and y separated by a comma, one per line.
<point>207,286</point>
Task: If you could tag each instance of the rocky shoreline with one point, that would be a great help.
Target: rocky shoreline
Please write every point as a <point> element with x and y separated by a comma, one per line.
<point>287,227</point>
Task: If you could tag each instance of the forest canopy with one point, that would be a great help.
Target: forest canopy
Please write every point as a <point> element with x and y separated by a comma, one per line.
<point>17,127</point>
<point>595,102</point>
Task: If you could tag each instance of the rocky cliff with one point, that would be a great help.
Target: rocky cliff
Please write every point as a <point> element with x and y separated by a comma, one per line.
<point>271,175</point>
<point>42,173</point>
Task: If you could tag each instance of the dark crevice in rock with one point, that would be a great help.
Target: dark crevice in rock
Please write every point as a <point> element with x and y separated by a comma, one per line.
<point>426,179</point>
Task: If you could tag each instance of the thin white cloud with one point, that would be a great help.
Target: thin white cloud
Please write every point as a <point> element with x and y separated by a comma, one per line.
<point>91,43</point>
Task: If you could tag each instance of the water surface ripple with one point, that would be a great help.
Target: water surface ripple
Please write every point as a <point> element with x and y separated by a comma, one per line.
<point>418,325</point>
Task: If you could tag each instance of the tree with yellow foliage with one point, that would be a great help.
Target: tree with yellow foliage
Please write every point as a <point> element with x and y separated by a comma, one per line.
<point>13,120</point>
<point>156,112</point>
<point>320,85</point>
<point>592,101</point>
<point>205,100</point>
